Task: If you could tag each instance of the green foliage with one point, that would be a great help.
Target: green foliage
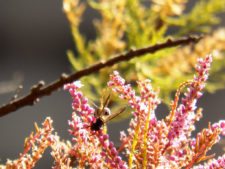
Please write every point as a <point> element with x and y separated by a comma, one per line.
<point>201,17</point>
<point>125,24</point>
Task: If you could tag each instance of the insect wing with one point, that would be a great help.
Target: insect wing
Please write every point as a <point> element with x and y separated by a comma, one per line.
<point>106,102</point>
<point>113,115</point>
<point>103,106</point>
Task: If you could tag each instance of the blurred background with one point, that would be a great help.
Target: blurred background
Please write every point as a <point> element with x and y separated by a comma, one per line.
<point>34,37</point>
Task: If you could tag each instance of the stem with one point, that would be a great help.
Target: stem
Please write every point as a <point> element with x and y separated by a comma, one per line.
<point>41,90</point>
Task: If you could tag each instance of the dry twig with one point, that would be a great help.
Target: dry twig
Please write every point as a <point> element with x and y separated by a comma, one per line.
<point>39,90</point>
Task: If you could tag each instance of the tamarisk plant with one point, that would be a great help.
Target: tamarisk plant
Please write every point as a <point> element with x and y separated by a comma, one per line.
<point>125,24</point>
<point>148,143</point>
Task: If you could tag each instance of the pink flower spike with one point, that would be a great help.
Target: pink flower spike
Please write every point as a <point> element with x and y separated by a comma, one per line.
<point>218,163</point>
<point>184,115</point>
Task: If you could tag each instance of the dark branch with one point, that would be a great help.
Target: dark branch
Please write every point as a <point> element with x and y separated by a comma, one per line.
<point>41,90</point>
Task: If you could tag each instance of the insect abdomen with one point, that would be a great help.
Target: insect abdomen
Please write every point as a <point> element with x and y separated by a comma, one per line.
<point>97,125</point>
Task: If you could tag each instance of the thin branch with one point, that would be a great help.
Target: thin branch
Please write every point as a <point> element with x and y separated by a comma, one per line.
<point>39,90</point>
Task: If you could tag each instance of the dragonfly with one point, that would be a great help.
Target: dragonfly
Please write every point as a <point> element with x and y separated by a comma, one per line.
<point>103,114</point>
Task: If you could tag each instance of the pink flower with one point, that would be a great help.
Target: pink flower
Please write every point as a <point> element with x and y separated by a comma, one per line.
<point>144,123</point>
<point>183,122</point>
<point>92,147</point>
<point>218,163</point>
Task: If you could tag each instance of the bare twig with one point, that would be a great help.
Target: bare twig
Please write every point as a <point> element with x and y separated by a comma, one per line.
<point>40,90</point>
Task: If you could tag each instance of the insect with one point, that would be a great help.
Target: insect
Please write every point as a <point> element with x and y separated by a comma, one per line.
<point>103,114</point>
